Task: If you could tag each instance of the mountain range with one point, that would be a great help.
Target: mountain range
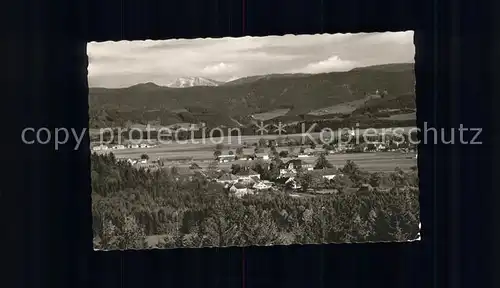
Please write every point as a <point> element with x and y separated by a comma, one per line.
<point>374,91</point>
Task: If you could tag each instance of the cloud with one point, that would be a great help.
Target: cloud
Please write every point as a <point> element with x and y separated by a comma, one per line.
<point>332,64</point>
<point>126,63</point>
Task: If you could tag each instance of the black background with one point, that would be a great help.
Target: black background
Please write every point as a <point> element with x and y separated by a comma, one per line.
<point>45,194</point>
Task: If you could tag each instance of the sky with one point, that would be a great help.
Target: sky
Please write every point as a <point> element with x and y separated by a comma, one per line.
<point>127,63</point>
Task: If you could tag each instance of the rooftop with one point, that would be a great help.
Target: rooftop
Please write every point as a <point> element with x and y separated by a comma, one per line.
<point>246,172</point>
<point>227,177</point>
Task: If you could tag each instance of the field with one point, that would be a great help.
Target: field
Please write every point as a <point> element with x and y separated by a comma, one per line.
<point>343,108</point>
<point>232,142</point>
<point>201,151</point>
<point>270,115</point>
<point>402,117</point>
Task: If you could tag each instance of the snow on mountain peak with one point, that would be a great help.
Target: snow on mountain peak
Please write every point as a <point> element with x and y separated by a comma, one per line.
<point>183,82</point>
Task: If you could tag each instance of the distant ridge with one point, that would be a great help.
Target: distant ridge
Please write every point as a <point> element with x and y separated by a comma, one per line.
<point>270,96</point>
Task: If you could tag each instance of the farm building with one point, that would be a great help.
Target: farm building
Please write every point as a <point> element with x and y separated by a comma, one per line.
<point>100,147</point>
<point>240,190</point>
<point>131,161</point>
<point>227,178</point>
<point>298,164</point>
<point>263,156</point>
<point>293,183</point>
<point>247,175</point>
<point>262,185</point>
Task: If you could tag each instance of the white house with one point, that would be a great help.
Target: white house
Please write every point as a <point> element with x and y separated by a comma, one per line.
<point>131,161</point>
<point>289,172</point>
<point>380,147</point>
<point>293,183</point>
<point>240,190</point>
<point>309,151</point>
<point>303,156</point>
<point>227,178</point>
<point>261,186</point>
<point>100,147</point>
<point>329,177</point>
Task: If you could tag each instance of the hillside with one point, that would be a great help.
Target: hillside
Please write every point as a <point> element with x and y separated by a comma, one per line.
<point>320,95</point>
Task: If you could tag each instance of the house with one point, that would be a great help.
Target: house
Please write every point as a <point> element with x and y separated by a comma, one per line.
<point>248,175</point>
<point>380,147</point>
<point>309,151</point>
<point>131,161</point>
<point>263,156</point>
<point>240,190</point>
<point>298,164</point>
<point>327,173</point>
<point>226,158</point>
<point>118,147</point>
<point>329,177</point>
<point>287,172</point>
<point>100,147</point>
<point>303,156</point>
<point>262,185</point>
<point>292,183</point>
<point>227,178</point>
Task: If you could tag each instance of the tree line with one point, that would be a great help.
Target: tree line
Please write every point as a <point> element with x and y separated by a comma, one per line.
<point>130,204</point>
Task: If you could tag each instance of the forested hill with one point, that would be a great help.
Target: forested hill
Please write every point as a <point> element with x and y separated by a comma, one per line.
<point>129,204</point>
<point>237,101</point>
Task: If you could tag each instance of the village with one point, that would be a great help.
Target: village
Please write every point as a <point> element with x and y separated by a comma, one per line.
<point>236,170</point>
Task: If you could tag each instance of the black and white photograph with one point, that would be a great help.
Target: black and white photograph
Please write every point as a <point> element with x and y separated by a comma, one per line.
<point>253,141</point>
